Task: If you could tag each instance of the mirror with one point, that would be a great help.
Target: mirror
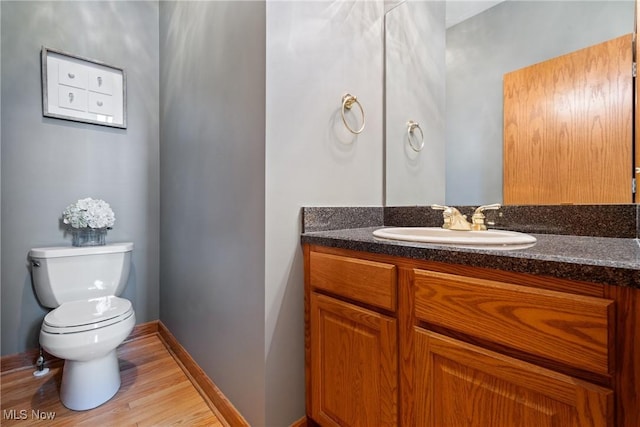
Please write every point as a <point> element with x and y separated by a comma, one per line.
<point>448,79</point>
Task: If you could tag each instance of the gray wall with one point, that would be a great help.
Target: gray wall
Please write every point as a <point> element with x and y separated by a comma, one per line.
<point>481,50</point>
<point>316,52</point>
<point>213,192</point>
<point>232,282</point>
<point>244,98</point>
<point>0,164</point>
<point>49,163</point>
<point>414,89</point>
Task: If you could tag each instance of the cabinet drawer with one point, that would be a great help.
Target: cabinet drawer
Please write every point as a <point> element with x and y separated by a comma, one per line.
<point>365,281</point>
<point>572,329</point>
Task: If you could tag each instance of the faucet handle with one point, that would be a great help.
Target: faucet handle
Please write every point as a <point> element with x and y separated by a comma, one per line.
<point>477,219</point>
<point>448,211</point>
<point>439,207</point>
<point>483,208</point>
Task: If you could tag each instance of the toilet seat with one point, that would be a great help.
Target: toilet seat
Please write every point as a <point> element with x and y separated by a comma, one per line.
<point>87,315</point>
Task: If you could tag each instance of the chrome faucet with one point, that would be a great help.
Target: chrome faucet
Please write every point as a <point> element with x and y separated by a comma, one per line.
<point>477,219</point>
<point>454,220</point>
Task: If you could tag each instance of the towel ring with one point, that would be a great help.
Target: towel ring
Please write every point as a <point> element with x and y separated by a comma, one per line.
<point>411,126</point>
<point>347,102</point>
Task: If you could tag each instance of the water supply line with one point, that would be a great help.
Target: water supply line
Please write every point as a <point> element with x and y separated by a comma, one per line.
<point>41,371</point>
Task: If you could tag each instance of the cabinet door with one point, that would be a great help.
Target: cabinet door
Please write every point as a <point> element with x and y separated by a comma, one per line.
<point>458,384</point>
<point>353,365</point>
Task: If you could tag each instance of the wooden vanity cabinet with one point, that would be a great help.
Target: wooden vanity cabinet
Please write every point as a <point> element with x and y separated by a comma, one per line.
<point>462,384</point>
<point>394,341</point>
<point>351,344</point>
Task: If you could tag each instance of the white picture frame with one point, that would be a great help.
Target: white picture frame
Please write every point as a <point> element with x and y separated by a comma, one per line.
<point>82,89</point>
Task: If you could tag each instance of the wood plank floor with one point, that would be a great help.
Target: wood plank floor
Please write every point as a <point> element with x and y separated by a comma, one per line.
<point>155,391</point>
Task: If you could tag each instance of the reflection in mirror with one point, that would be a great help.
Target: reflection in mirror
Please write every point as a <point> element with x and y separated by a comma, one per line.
<point>479,51</point>
<point>571,117</point>
<point>414,76</point>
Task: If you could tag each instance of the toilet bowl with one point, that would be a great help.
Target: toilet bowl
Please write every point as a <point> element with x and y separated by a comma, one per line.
<point>88,347</point>
<point>89,321</point>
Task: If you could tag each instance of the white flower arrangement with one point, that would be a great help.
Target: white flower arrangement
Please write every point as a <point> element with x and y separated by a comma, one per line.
<point>89,213</point>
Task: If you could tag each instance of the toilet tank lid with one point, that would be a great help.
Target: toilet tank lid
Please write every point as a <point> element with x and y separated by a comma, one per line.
<point>65,251</point>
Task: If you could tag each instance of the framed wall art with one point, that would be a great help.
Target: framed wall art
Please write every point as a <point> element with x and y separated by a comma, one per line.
<point>83,90</point>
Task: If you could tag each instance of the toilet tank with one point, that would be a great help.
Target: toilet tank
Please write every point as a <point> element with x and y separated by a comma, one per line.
<point>63,274</point>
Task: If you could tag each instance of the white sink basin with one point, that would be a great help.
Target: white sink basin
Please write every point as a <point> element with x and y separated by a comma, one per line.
<point>490,238</point>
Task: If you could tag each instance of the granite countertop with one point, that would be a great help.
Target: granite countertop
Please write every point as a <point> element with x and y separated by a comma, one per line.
<point>608,260</point>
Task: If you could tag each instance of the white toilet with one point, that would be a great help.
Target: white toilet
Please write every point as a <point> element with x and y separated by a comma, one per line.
<point>89,320</point>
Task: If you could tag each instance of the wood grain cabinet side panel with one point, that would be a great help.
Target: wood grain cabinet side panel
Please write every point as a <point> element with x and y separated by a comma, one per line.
<point>465,385</point>
<point>354,379</point>
<point>361,280</point>
<point>572,329</point>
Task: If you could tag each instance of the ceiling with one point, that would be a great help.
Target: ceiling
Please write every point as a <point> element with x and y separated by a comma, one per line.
<point>459,10</point>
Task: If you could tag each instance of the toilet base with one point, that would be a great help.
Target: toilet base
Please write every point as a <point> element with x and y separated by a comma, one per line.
<point>88,384</point>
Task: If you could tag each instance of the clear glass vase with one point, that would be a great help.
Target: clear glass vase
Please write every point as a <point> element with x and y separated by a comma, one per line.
<point>89,236</point>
